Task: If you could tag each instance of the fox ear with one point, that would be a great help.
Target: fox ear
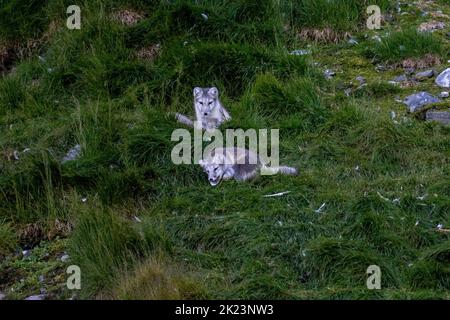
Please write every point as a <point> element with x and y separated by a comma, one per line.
<point>213,92</point>
<point>197,91</point>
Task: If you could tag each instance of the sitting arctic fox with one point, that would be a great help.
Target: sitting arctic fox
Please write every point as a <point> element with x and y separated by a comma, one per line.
<point>209,111</point>
<point>238,163</point>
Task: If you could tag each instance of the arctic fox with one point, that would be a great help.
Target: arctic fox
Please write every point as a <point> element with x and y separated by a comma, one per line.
<point>209,111</point>
<point>238,163</point>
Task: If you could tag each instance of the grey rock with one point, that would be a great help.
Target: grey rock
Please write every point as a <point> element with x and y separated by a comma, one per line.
<point>424,75</point>
<point>439,116</point>
<point>65,258</point>
<point>443,79</point>
<point>417,101</point>
<point>72,154</point>
<point>36,297</point>
<point>2,296</point>
<point>329,73</point>
<point>444,94</point>
<point>400,78</point>
<point>41,279</point>
<point>26,253</point>
<point>361,80</point>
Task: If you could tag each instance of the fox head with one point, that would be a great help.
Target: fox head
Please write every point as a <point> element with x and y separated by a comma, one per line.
<point>214,168</point>
<point>205,100</point>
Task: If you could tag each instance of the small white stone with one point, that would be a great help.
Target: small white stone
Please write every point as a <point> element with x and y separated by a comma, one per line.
<point>26,253</point>
<point>321,208</point>
<point>65,258</point>
<point>393,115</point>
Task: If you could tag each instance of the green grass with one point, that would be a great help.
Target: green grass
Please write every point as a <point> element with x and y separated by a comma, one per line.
<point>28,19</point>
<point>102,236</point>
<point>190,240</point>
<point>408,43</point>
<point>8,239</point>
<point>341,15</point>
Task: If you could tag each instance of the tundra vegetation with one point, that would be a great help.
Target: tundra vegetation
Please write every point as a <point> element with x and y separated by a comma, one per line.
<point>141,227</point>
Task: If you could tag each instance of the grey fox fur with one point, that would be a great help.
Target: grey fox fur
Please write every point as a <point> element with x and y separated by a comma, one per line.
<point>209,111</point>
<point>238,163</point>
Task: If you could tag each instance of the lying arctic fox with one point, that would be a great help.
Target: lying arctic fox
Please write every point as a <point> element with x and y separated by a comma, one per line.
<point>238,163</point>
<point>209,111</point>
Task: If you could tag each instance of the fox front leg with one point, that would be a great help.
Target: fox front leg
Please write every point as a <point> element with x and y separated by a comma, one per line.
<point>226,115</point>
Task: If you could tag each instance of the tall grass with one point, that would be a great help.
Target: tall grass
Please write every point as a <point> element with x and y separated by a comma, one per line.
<point>408,43</point>
<point>340,15</point>
<point>8,239</point>
<point>102,245</point>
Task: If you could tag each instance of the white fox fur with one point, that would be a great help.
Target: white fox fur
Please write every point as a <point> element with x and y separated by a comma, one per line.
<point>238,163</point>
<point>209,111</point>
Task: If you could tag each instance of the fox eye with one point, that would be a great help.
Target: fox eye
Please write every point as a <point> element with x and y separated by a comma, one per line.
<point>210,102</point>
<point>201,102</point>
<point>215,169</point>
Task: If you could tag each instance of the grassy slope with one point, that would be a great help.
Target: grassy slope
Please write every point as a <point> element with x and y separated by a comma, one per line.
<point>194,241</point>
